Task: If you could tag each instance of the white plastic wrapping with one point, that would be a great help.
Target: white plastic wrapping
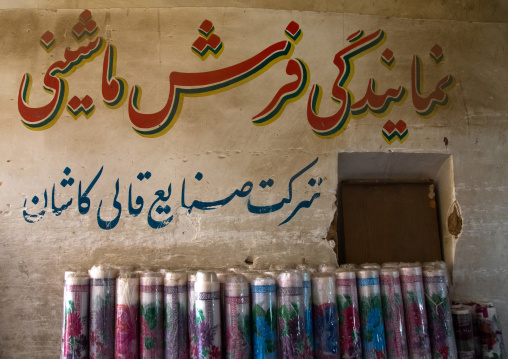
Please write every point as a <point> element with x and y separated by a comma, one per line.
<point>328,268</point>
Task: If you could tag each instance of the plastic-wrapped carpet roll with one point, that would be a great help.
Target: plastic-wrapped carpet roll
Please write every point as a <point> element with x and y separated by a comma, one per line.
<point>102,311</point>
<point>238,268</point>
<point>76,305</point>
<point>463,329</point>
<point>439,315</point>
<point>272,273</point>
<point>306,267</point>
<point>325,318</point>
<point>370,266</point>
<point>349,266</point>
<point>208,316</point>
<point>371,314</point>
<point>238,322</point>
<point>282,267</point>
<point>176,311</point>
<point>127,316</point>
<point>249,274</point>
<point>307,306</point>
<point>291,321</point>
<point>393,313</point>
<point>491,335</point>
<point>264,317</point>
<point>441,265</point>
<point>430,265</point>
<point>151,293</point>
<point>349,317</point>
<point>413,296</point>
<point>191,297</point>
<point>141,271</point>
<point>410,264</point>
<point>327,268</point>
<point>222,276</point>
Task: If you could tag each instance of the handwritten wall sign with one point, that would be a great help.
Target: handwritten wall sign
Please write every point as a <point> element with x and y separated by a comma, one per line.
<point>181,85</point>
<point>160,203</point>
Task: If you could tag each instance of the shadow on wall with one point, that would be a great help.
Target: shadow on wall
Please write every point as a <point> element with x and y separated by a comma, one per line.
<point>381,165</point>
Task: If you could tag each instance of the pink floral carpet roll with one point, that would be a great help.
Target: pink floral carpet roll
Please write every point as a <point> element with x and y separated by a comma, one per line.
<point>176,311</point>
<point>127,316</point>
<point>393,313</point>
<point>76,304</point>
<point>439,315</point>
<point>238,318</point>
<point>413,295</point>
<point>102,311</point>
<point>291,322</point>
<point>151,292</point>
<point>349,317</point>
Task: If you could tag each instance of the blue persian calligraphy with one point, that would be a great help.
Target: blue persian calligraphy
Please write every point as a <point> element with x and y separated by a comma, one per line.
<point>160,206</point>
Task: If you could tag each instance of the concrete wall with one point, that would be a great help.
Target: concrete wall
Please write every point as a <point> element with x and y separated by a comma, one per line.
<point>215,136</point>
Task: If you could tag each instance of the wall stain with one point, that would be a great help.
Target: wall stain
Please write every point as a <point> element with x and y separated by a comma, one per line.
<point>455,221</point>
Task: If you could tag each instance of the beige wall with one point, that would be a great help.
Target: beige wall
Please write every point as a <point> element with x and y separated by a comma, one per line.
<point>214,135</point>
